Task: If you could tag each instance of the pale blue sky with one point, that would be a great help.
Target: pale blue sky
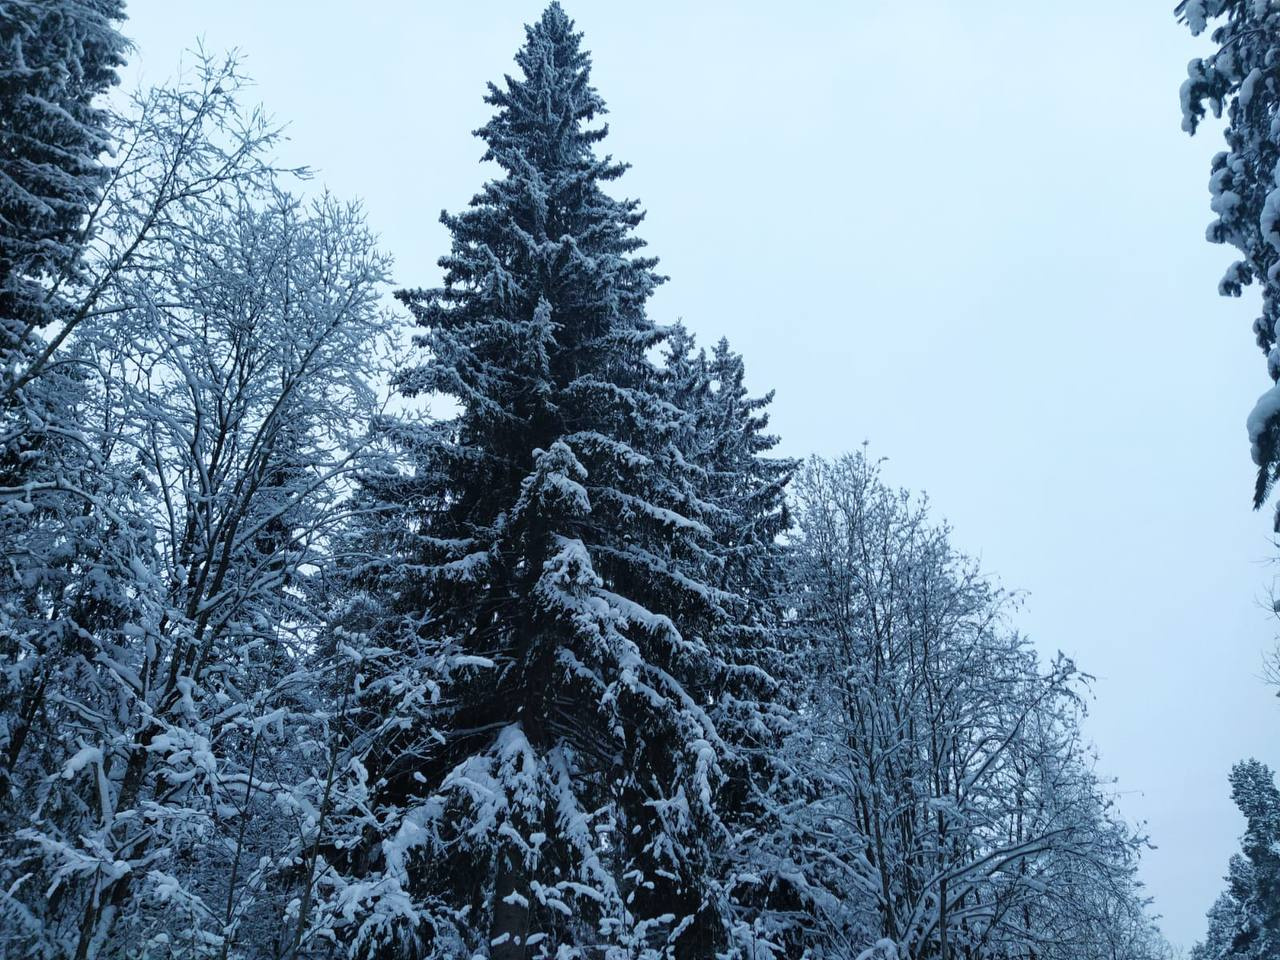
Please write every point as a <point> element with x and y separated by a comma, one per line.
<point>970,232</point>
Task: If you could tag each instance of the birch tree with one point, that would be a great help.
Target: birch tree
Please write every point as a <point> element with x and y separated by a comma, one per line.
<point>953,797</point>
<point>170,744</point>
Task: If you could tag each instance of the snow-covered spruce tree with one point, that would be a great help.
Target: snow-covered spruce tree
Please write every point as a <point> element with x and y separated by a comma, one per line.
<point>1244,923</point>
<point>725,439</point>
<point>1224,916</point>
<point>560,797</point>
<point>1242,77</point>
<point>56,58</point>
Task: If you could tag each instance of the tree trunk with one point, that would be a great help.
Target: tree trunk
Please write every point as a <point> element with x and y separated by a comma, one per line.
<point>942,919</point>
<point>509,930</point>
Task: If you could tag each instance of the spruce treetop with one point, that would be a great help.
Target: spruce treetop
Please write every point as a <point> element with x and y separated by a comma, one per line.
<point>541,118</point>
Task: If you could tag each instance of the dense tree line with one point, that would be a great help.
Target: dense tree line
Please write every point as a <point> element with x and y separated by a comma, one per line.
<point>582,669</point>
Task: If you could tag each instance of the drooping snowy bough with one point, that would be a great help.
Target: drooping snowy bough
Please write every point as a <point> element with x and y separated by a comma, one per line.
<point>1241,78</point>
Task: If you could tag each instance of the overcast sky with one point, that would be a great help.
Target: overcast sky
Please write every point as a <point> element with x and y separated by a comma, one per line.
<point>968,232</point>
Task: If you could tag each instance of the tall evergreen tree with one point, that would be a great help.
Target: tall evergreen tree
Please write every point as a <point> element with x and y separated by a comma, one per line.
<point>726,439</point>
<point>1242,78</point>
<point>56,59</point>
<point>1244,923</point>
<point>561,577</point>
